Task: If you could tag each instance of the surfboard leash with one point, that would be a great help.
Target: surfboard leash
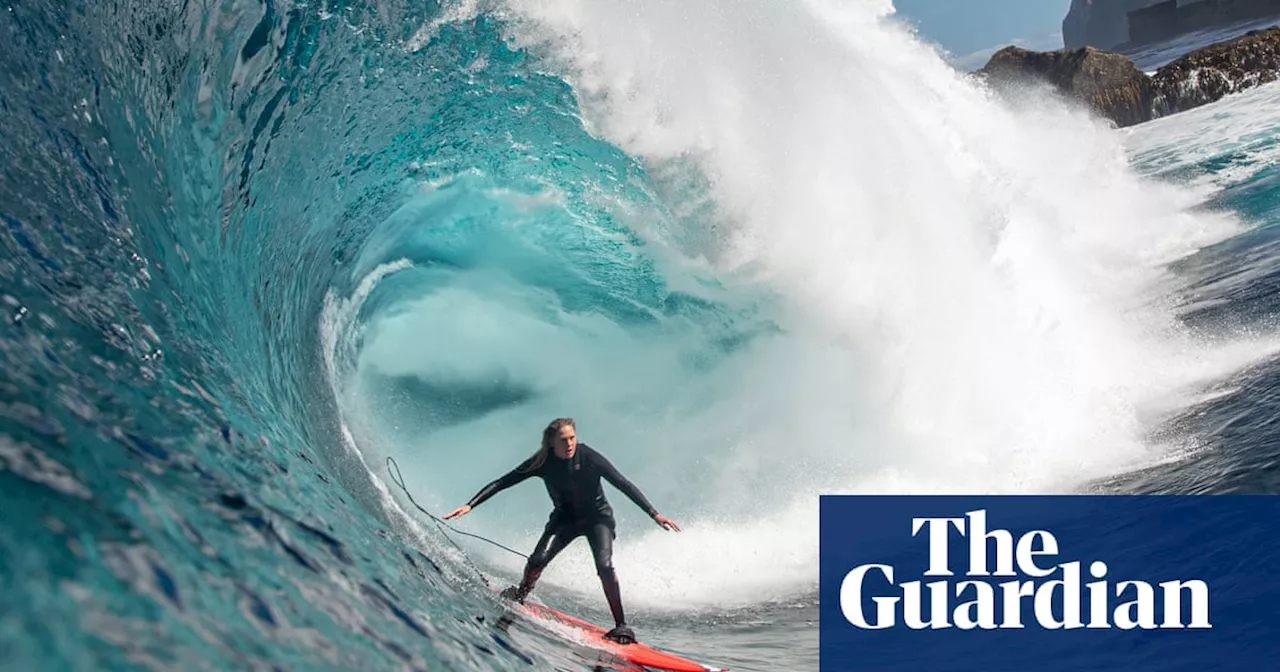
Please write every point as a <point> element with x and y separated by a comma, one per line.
<point>398,479</point>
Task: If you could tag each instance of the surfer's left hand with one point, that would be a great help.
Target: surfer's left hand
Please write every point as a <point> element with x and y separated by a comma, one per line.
<point>666,523</point>
<point>460,511</point>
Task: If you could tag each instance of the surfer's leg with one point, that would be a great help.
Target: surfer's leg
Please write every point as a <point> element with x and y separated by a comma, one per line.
<point>553,540</point>
<point>600,537</point>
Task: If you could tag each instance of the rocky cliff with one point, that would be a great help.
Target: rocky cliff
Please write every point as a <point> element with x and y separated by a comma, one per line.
<point>1113,87</point>
<point>1099,23</point>
<point>1169,19</point>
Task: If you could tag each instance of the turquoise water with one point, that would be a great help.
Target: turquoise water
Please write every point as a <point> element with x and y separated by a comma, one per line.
<point>184,185</point>
<point>251,250</point>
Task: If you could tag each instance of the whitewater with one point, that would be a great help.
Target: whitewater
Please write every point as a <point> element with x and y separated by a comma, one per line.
<point>761,251</point>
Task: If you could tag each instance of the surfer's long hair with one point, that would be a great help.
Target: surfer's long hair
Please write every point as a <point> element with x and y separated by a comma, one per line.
<point>548,435</point>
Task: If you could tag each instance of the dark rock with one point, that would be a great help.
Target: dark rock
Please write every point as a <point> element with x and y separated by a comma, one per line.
<point>1113,87</point>
<point>1206,75</point>
<point>1110,84</point>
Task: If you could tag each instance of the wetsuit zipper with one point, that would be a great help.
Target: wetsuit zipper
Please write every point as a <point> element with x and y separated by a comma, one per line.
<point>573,487</point>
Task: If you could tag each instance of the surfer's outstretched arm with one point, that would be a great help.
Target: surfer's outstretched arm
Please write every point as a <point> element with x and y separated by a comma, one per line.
<point>513,477</point>
<point>629,489</point>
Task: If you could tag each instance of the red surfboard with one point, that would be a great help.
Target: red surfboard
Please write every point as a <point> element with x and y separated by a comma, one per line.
<point>638,653</point>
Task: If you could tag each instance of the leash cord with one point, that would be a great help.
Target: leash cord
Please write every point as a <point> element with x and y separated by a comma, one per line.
<point>398,479</point>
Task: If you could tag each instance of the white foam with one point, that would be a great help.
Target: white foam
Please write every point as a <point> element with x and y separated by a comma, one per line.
<point>459,11</point>
<point>1242,125</point>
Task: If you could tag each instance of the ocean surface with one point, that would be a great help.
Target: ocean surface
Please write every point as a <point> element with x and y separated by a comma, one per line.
<point>760,251</point>
<point>1150,57</point>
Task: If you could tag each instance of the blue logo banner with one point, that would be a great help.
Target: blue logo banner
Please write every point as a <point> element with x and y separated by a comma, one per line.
<point>1048,584</point>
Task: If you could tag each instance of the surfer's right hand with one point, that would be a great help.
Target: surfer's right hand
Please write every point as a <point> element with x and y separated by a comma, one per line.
<point>460,511</point>
<point>666,523</point>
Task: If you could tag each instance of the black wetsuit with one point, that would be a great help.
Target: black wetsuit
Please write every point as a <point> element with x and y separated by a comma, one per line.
<point>581,509</point>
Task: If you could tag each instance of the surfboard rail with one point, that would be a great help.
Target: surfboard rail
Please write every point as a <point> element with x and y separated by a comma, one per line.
<point>638,653</point>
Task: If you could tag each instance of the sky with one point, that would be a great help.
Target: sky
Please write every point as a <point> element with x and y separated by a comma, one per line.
<point>969,31</point>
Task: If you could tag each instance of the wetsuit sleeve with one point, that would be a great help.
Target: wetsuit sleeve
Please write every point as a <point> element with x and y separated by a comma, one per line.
<point>620,482</point>
<point>513,477</point>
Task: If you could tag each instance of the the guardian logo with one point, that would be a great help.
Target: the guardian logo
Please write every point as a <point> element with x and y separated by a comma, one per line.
<point>1036,586</point>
